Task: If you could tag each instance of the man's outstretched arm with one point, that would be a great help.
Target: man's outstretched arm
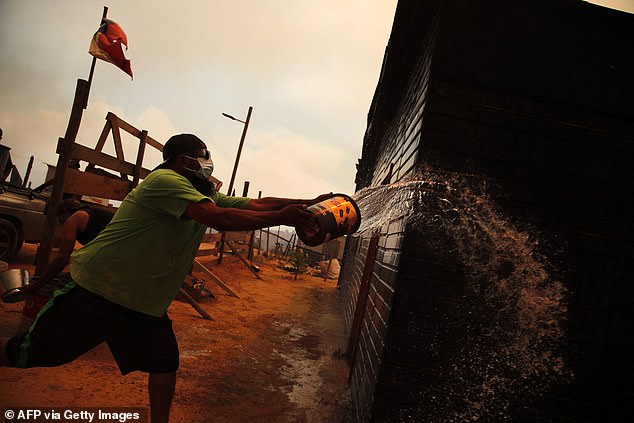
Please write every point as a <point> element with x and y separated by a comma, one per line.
<point>232,219</point>
<point>275,203</point>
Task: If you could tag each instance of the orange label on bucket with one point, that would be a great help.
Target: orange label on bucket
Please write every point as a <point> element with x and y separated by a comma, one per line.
<point>345,213</point>
<point>335,217</point>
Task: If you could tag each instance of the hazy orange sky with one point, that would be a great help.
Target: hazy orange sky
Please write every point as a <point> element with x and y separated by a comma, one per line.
<point>309,69</point>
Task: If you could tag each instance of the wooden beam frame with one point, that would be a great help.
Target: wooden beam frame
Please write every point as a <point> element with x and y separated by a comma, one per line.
<point>92,181</point>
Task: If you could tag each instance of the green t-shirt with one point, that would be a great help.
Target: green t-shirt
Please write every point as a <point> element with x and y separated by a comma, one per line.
<point>142,257</point>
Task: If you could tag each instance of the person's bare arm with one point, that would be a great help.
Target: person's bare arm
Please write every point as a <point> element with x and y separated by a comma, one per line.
<point>274,203</point>
<point>232,219</point>
<point>68,236</point>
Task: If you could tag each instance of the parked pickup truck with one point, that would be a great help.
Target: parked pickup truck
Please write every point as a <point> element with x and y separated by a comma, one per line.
<point>22,218</point>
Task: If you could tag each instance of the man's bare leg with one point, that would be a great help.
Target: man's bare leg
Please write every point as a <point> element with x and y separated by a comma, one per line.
<point>4,360</point>
<point>161,388</point>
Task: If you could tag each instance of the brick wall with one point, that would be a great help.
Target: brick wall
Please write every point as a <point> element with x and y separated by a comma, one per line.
<point>545,113</point>
<point>540,111</point>
<point>562,169</point>
<point>392,159</point>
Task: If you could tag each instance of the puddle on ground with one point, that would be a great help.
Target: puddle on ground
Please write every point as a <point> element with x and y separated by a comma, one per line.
<point>301,369</point>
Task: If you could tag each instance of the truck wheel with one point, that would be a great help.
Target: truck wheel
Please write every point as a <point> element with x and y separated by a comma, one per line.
<point>8,239</point>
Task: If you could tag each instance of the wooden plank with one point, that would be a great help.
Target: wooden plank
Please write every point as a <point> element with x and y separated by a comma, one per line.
<point>139,159</point>
<point>87,154</point>
<point>118,147</point>
<point>86,183</point>
<point>151,141</point>
<point>104,136</point>
<point>194,304</point>
<point>102,141</point>
<point>134,131</point>
<point>217,279</point>
<point>239,236</point>
<point>362,299</point>
<point>237,253</point>
<point>206,249</point>
<point>65,147</point>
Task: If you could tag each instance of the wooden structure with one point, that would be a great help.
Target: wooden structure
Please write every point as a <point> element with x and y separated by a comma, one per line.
<point>536,97</point>
<point>93,181</point>
<point>98,179</point>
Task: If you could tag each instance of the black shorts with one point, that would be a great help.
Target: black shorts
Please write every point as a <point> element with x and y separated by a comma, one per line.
<point>75,321</point>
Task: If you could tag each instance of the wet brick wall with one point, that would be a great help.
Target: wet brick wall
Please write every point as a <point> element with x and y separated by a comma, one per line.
<point>367,358</point>
<point>391,157</point>
<point>543,112</point>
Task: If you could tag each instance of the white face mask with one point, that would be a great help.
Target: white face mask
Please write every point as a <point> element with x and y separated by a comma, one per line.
<point>206,167</point>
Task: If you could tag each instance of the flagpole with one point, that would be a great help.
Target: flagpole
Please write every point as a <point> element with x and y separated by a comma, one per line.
<point>64,150</point>
<point>94,61</point>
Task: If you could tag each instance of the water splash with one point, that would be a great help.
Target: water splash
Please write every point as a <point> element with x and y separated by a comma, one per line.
<point>384,203</point>
<point>512,352</point>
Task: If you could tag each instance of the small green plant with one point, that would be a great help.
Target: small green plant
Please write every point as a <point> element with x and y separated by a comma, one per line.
<point>297,259</point>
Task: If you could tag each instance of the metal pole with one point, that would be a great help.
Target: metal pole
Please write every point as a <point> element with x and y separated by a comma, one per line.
<point>28,173</point>
<point>94,61</point>
<point>235,165</point>
<point>233,174</point>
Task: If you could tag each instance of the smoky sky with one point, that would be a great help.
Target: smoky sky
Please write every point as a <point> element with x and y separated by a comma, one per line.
<point>308,69</point>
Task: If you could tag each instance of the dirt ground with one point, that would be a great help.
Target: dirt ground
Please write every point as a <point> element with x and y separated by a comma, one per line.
<point>272,355</point>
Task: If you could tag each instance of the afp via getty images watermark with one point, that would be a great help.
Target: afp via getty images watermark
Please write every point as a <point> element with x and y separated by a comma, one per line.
<point>76,414</point>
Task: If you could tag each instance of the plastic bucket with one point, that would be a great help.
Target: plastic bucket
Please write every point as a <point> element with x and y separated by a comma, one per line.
<point>336,216</point>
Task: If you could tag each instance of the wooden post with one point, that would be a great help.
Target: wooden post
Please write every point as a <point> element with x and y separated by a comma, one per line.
<point>64,149</point>
<point>118,146</point>
<point>252,238</point>
<point>139,159</point>
<point>364,289</point>
<point>328,268</point>
<point>64,146</point>
<point>268,251</point>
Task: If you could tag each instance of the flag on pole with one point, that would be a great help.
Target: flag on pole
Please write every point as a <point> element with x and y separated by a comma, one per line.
<point>106,45</point>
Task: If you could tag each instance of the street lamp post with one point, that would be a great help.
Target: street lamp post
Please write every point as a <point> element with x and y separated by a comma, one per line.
<point>235,168</point>
<point>244,134</point>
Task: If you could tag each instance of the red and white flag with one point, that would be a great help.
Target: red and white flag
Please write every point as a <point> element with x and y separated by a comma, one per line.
<point>106,45</point>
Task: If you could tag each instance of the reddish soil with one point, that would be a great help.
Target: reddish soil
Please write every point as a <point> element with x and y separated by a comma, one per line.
<point>272,355</point>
